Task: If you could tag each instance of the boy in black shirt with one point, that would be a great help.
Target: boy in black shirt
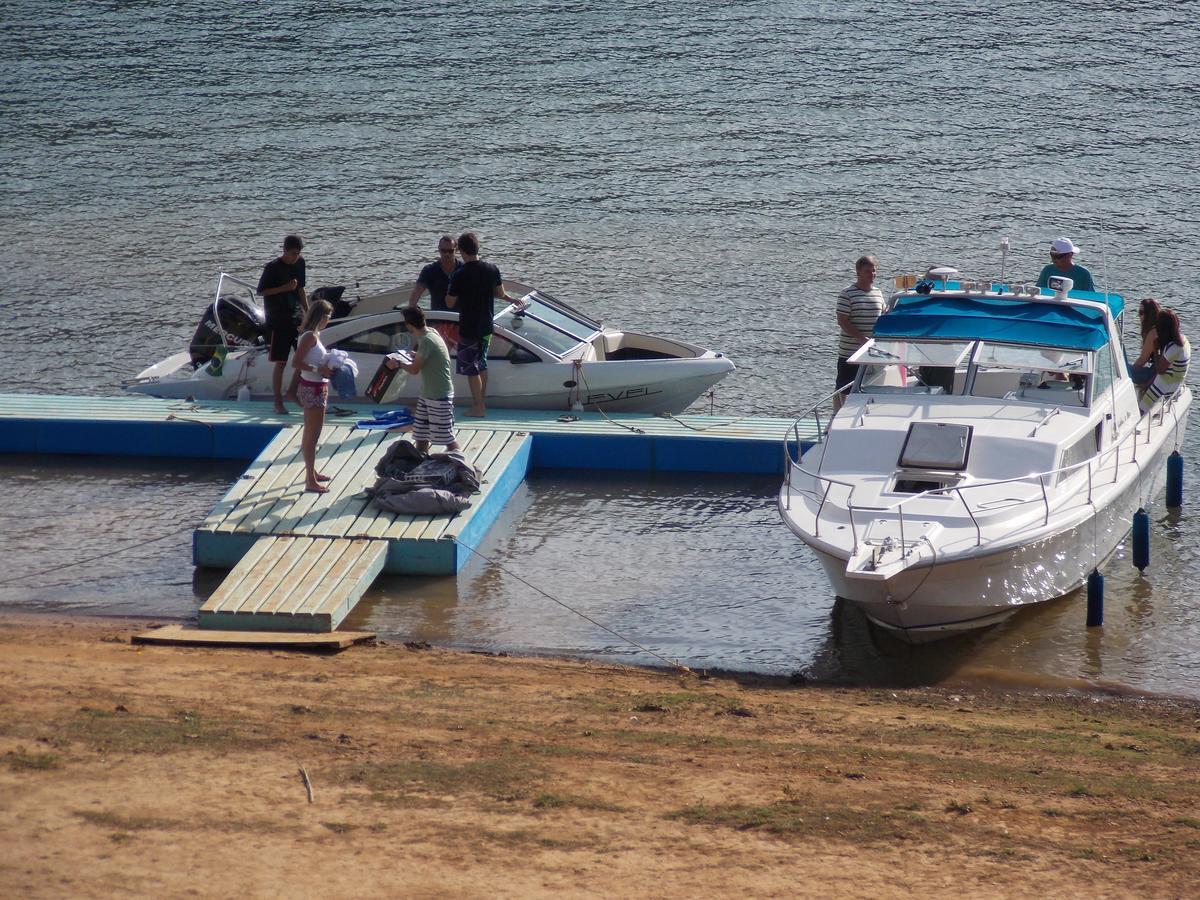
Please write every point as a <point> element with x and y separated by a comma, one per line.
<point>282,289</point>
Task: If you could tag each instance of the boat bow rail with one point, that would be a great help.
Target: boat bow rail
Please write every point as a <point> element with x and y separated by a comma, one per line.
<point>916,534</point>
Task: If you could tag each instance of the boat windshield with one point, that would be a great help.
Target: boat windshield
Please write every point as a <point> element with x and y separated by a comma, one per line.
<point>912,353</point>
<point>912,367</point>
<point>1045,375</point>
<point>1045,359</point>
<point>547,326</point>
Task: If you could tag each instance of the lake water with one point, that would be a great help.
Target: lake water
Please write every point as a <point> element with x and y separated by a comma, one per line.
<point>707,171</point>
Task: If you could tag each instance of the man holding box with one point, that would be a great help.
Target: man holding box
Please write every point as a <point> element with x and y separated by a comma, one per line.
<point>433,418</point>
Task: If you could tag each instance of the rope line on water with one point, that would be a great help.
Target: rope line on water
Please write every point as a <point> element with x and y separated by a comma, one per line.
<point>80,562</point>
<point>670,662</point>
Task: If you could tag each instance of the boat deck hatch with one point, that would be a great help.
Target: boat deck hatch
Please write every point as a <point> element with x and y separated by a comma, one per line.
<point>920,482</point>
<point>936,445</point>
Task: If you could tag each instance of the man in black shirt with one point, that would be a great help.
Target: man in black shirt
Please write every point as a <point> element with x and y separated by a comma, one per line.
<point>435,277</point>
<point>472,289</point>
<point>282,289</point>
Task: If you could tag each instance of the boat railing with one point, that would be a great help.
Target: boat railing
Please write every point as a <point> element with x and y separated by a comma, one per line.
<point>1111,457</point>
<point>813,413</point>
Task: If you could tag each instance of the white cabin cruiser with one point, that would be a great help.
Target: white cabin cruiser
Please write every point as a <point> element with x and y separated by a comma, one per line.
<point>989,455</point>
<point>544,355</point>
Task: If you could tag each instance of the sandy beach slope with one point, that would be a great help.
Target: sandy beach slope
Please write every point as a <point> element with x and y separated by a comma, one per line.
<point>167,772</point>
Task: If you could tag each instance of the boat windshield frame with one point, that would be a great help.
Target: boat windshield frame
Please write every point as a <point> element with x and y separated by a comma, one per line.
<point>895,351</point>
<point>1021,357</point>
<point>558,329</point>
<point>933,366</point>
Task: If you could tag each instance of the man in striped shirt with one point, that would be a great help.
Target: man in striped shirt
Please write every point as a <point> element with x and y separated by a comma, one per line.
<point>858,306</point>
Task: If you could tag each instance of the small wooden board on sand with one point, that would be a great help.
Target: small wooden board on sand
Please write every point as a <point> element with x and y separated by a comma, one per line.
<point>183,636</point>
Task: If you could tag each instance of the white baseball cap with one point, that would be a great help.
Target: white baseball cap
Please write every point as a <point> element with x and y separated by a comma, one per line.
<point>1063,245</point>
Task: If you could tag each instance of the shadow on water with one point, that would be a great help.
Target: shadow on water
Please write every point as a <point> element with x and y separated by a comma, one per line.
<point>858,652</point>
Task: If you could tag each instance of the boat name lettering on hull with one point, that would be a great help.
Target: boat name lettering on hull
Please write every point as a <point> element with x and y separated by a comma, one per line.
<point>628,394</point>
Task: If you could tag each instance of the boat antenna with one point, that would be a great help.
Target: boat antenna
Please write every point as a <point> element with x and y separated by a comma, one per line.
<point>1003,257</point>
<point>1103,263</point>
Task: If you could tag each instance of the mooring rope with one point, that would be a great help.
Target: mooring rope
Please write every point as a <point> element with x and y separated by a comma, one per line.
<point>599,408</point>
<point>670,662</point>
<point>80,562</point>
<point>678,421</point>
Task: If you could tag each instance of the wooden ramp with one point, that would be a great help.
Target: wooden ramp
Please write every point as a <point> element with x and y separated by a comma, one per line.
<point>294,584</point>
<point>269,501</point>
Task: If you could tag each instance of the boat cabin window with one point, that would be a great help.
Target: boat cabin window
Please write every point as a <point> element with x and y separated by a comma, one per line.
<point>501,348</point>
<point>543,326</point>
<point>381,339</point>
<point>1045,375</point>
<point>1102,377</point>
<point>912,367</point>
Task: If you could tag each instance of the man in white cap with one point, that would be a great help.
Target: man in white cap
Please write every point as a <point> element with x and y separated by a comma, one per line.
<point>1062,262</point>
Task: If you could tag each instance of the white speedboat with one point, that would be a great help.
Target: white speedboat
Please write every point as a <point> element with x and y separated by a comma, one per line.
<point>544,355</point>
<point>990,455</point>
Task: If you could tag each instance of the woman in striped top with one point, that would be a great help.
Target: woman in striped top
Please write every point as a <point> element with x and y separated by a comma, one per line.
<point>1170,362</point>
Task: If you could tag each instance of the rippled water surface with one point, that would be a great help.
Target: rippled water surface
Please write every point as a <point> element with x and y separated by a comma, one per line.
<point>707,171</point>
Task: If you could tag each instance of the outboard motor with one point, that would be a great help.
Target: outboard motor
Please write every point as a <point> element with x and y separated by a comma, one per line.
<point>231,320</point>
<point>333,295</point>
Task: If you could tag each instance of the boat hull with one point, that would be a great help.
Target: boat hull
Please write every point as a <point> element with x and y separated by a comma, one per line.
<point>931,601</point>
<point>643,386</point>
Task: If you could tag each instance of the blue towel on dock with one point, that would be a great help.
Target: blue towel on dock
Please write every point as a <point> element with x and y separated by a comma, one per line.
<point>392,418</point>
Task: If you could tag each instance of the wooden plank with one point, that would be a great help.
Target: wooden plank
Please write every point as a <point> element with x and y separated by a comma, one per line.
<point>346,488</point>
<point>366,563</point>
<point>296,580</point>
<point>345,583</point>
<point>250,576</point>
<point>278,575</point>
<point>266,517</point>
<point>149,409</point>
<point>321,578</point>
<point>304,506</point>
<point>232,586</point>
<point>275,483</point>
<point>248,480</point>
<point>348,499</point>
<point>184,636</point>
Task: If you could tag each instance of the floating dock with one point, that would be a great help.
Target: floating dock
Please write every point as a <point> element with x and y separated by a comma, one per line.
<point>299,561</point>
<point>269,500</point>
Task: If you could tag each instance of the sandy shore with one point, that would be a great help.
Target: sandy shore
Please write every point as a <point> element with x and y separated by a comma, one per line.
<point>154,771</point>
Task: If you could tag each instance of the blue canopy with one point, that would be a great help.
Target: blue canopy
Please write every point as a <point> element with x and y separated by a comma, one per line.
<point>1005,317</point>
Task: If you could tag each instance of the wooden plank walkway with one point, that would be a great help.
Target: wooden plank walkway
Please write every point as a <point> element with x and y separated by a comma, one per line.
<point>294,584</point>
<point>269,500</point>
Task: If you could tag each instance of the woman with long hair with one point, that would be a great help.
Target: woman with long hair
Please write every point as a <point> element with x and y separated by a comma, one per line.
<point>313,391</point>
<point>1170,360</point>
<point>1142,370</point>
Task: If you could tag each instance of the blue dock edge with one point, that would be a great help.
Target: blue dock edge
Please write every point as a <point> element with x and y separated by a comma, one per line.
<point>188,436</point>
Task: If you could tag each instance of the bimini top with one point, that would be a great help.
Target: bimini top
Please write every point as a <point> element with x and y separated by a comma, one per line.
<point>1005,317</point>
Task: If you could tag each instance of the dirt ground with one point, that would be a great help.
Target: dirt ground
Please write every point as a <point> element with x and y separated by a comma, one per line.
<point>154,771</point>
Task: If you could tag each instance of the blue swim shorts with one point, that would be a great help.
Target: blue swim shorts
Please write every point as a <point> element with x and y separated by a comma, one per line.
<point>472,355</point>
